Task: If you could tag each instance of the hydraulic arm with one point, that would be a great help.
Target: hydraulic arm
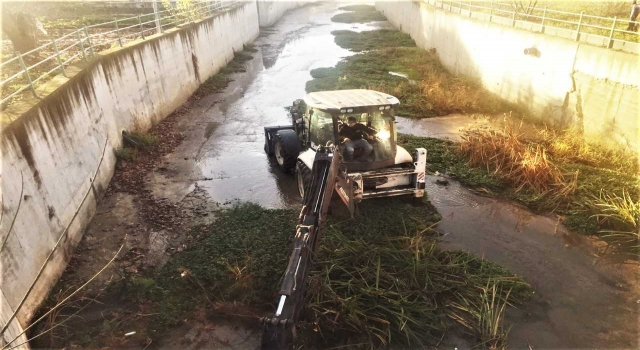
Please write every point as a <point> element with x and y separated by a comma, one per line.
<point>279,330</point>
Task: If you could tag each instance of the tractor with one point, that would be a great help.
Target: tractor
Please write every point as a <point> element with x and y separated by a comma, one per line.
<point>316,122</point>
<point>311,147</point>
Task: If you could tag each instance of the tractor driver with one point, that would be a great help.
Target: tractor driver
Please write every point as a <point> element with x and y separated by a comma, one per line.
<point>354,135</point>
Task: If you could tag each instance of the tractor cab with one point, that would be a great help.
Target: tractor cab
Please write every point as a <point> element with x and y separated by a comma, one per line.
<point>320,117</point>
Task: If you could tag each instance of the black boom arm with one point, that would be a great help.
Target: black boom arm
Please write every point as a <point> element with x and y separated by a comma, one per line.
<point>279,330</point>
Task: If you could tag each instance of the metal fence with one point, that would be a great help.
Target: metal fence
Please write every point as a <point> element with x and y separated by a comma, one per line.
<point>25,70</point>
<point>601,31</point>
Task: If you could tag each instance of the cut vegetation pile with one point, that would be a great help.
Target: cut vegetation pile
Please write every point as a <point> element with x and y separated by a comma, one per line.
<point>358,14</point>
<point>390,62</point>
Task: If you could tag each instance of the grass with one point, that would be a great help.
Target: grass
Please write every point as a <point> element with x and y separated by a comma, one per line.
<point>134,142</point>
<point>594,187</point>
<point>126,154</point>
<point>443,157</point>
<point>371,40</point>
<point>380,279</point>
<point>221,80</point>
<point>428,90</point>
<point>358,14</point>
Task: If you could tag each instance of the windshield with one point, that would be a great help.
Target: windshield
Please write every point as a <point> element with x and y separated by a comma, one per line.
<point>380,125</point>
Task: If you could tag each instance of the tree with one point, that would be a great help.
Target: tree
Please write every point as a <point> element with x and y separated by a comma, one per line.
<point>22,29</point>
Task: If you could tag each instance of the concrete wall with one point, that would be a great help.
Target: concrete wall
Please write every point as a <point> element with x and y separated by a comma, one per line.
<point>564,83</point>
<point>270,11</point>
<point>50,153</point>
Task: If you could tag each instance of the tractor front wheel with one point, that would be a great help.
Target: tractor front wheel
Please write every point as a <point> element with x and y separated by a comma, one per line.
<point>303,177</point>
<point>286,150</point>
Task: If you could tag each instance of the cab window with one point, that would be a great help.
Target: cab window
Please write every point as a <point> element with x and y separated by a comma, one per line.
<point>321,127</point>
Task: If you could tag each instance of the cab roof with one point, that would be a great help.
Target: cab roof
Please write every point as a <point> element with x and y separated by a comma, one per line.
<point>339,99</point>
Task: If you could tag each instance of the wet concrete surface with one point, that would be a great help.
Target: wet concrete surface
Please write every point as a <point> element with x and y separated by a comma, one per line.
<point>449,127</point>
<point>223,151</point>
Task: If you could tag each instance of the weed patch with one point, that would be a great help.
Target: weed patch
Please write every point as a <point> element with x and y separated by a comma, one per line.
<point>392,64</point>
<point>212,85</point>
<point>443,157</point>
<point>242,256</point>
<point>381,279</point>
<point>371,40</point>
<point>358,14</point>
<point>126,154</point>
<point>584,184</point>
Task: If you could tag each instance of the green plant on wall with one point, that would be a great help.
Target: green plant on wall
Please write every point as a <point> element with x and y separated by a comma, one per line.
<point>184,10</point>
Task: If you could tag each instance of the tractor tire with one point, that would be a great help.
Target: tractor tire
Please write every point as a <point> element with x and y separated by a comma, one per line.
<point>303,177</point>
<point>287,146</point>
<point>267,149</point>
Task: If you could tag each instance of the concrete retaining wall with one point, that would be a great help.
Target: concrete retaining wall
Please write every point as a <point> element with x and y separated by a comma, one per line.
<point>50,153</point>
<point>270,11</point>
<point>561,82</point>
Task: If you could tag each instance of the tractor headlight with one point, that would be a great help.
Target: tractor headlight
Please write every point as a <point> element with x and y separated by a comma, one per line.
<point>383,134</point>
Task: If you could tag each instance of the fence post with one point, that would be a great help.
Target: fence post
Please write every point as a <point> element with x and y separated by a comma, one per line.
<point>491,12</point>
<point>26,75</point>
<point>84,54</point>
<point>140,25</point>
<point>613,29</point>
<point>469,9</point>
<point>544,16</point>
<point>55,47</point>
<point>513,18</point>
<point>118,33</point>
<point>579,25</point>
<point>156,15</point>
<point>86,33</point>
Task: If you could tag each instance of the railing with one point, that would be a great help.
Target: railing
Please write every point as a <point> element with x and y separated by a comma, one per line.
<point>26,70</point>
<point>602,31</point>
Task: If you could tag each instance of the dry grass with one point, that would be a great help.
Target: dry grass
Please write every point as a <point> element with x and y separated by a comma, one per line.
<point>570,146</point>
<point>621,213</point>
<point>596,186</point>
<point>525,165</point>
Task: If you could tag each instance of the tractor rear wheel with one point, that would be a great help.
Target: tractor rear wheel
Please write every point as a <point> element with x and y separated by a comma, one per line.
<point>287,147</point>
<point>303,177</point>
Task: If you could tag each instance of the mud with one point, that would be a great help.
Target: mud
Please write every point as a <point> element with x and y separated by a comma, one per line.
<point>585,296</point>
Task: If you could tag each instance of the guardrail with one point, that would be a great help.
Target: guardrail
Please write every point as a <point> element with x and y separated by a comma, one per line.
<point>601,31</point>
<point>26,70</point>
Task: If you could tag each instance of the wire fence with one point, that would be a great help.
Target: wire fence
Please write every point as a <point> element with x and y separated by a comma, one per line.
<point>613,33</point>
<point>25,71</point>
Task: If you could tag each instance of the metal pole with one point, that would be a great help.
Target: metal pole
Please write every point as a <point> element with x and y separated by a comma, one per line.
<point>544,16</point>
<point>579,25</point>
<point>86,33</point>
<point>140,24</point>
<point>613,28</point>
<point>26,75</point>
<point>55,46</point>
<point>84,54</point>
<point>118,33</point>
<point>491,11</point>
<point>157,17</point>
